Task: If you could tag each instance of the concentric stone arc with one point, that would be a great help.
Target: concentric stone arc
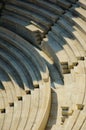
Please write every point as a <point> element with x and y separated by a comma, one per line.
<point>42,64</point>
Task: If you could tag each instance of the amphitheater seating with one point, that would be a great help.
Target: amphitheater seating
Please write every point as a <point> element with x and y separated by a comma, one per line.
<point>29,17</point>
<point>43,65</point>
<point>56,77</point>
<point>68,29</point>
<point>79,12</point>
<point>33,80</point>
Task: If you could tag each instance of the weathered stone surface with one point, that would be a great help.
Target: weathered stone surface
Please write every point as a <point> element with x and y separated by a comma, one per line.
<point>43,65</point>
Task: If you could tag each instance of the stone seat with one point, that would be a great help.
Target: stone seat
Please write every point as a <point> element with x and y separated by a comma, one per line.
<point>41,66</point>
<point>67,39</point>
<point>35,8</point>
<point>79,11</point>
<point>77,21</point>
<point>59,57</point>
<point>7,89</point>
<point>43,59</point>
<point>16,115</point>
<point>63,3</point>
<point>19,69</point>
<point>30,15</point>
<point>27,21</point>
<point>16,82</point>
<point>78,103</point>
<point>58,31</point>
<point>61,46</point>
<point>18,54</point>
<point>44,108</point>
<point>35,83</point>
<point>34,36</point>
<point>82,3</point>
<point>67,26</point>
<point>56,76</point>
<point>72,59</point>
<point>48,6</point>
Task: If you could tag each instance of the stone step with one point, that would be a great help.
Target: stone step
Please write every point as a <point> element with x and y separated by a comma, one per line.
<point>70,54</point>
<point>35,8</point>
<point>67,26</point>
<point>76,20</point>
<point>78,11</point>
<point>23,58</point>
<point>38,26</point>
<point>64,4</point>
<point>29,32</point>
<point>67,39</point>
<point>48,6</point>
<point>31,15</point>
<point>28,50</point>
<point>82,3</point>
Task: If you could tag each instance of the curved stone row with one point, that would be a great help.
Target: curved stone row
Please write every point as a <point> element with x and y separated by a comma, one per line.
<point>25,82</point>
<point>25,15</point>
<point>58,28</point>
<point>69,32</point>
<point>68,36</point>
<point>70,101</point>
